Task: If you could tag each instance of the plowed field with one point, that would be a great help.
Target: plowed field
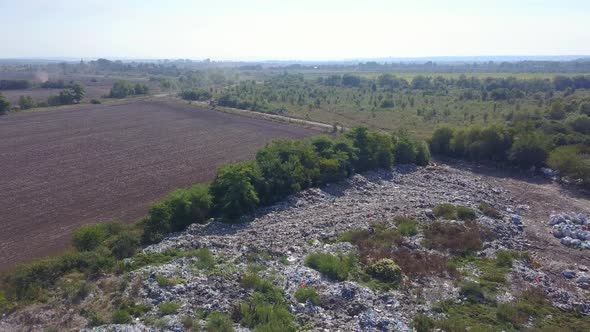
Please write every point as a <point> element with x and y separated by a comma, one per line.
<point>62,169</point>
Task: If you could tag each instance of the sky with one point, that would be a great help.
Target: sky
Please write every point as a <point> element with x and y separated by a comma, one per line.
<point>292,30</point>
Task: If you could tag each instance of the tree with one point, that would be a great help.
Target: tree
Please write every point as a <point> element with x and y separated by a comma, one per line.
<point>121,89</point>
<point>234,190</point>
<point>572,161</point>
<point>4,104</point>
<point>26,102</point>
<point>405,151</point>
<point>529,150</point>
<point>78,93</point>
<point>440,142</point>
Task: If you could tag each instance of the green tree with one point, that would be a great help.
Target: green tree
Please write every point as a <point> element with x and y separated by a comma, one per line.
<point>572,161</point>
<point>26,102</point>
<point>529,150</point>
<point>234,190</point>
<point>78,93</point>
<point>4,104</point>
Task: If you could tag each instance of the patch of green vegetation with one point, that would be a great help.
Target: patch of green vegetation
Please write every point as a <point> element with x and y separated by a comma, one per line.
<point>458,239</point>
<point>141,260</point>
<point>121,317</point>
<point>334,267</point>
<point>189,323</point>
<point>489,211</point>
<point>169,308</point>
<point>267,309</point>
<point>304,293</point>
<point>168,282</point>
<point>531,307</point>
<point>451,212</point>
<point>94,318</point>
<point>284,260</point>
<point>5,305</point>
<point>406,226</point>
<point>219,322</point>
<point>206,259</point>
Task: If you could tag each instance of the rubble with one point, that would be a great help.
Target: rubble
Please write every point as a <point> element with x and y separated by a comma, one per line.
<point>573,229</point>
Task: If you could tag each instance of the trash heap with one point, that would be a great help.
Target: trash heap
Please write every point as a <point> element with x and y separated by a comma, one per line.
<point>573,229</point>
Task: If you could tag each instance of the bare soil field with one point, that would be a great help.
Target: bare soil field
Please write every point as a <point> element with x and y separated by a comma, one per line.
<point>62,169</point>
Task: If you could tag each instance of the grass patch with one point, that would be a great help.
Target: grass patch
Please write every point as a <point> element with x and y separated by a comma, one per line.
<point>457,238</point>
<point>305,293</point>
<point>334,267</point>
<point>406,226</point>
<point>169,308</point>
<point>121,317</point>
<point>489,211</point>
<point>206,259</point>
<point>267,309</point>
<point>219,322</point>
<point>451,212</point>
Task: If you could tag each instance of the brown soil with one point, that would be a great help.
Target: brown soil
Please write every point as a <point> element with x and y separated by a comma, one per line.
<point>63,169</point>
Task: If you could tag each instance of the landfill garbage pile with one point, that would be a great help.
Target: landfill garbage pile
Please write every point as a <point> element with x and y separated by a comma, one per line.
<point>572,228</point>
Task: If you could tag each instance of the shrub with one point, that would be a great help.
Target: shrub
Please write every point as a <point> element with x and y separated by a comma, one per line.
<point>169,308</point>
<point>375,150</point>
<point>529,150</point>
<point>580,123</point>
<point>464,213</point>
<point>504,258</point>
<point>422,154</point>
<point>423,323</point>
<point>305,293</point>
<point>459,239</point>
<point>406,226</point>
<point>125,244</point>
<point>385,270</point>
<point>334,267</point>
<point>572,161</point>
<point>197,94</point>
<point>206,259</point>
<point>121,89</point>
<point>95,101</point>
<point>473,292</point>
<point>219,322</point>
<point>234,190</point>
<point>26,102</point>
<point>121,317</point>
<point>157,224</point>
<point>4,105</point>
<point>5,305</point>
<point>446,211</point>
<point>89,237</point>
<point>440,142</point>
<point>405,151</point>
<point>489,211</point>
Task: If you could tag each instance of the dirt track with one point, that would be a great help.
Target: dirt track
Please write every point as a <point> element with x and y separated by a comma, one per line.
<point>62,169</point>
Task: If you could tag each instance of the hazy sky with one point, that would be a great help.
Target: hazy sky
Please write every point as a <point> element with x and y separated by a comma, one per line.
<point>299,29</point>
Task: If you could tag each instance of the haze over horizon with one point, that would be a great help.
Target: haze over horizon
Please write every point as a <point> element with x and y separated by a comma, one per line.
<point>281,30</point>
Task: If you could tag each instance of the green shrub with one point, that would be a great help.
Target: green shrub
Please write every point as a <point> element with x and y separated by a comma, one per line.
<point>287,167</point>
<point>169,308</point>
<point>580,124</point>
<point>405,151</point>
<point>529,150</point>
<point>472,292</point>
<point>26,102</point>
<point>440,142</point>
<point>406,226</point>
<point>458,239</point>
<point>375,150</point>
<point>94,319</point>
<point>422,154</point>
<point>385,270</point>
<point>5,305</point>
<point>489,211</point>
<point>446,211</point>
<point>572,161</point>
<point>305,293</point>
<point>206,259</point>
<point>157,224</point>
<point>124,244</point>
<point>466,214</point>
<point>334,267</point>
<point>234,190</point>
<point>4,105</point>
<point>219,322</point>
<point>89,237</point>
<point>121,317</point>
<point>423,323</point>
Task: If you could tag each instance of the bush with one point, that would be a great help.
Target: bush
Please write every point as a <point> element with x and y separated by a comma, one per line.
<point>489,211</point>
<point>5,305</point>
<point>89,237</point>
<point>305,293</point>
<point>375,150</point>
<point>473,292</point>
<point>124,245</point>
<point>504,258</point>
<point>422,154</point>
<point>234,190</point>
<point>440,142</point>
<point>219,322</point>
<point>458,239</point>
<point>385,270</point>
<point>121,317</point>
<point>95,101</point>
<point>446,211</point>
<point>423,323</point>
<point>197,94</point>
<point>334,267</point>
<point>122,89</point>
<point>405,151</point>
<point>4,105</point>
<point>406,226</point>
<point>26,102</point>
<point>464,213</point>
<point>572,161</point>
<point>529,150</point>
<point>169,308</point>
<point>580,123</point>
<point>180,209</point>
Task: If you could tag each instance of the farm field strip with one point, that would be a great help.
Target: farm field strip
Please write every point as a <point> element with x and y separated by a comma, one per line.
<point>65,168</point>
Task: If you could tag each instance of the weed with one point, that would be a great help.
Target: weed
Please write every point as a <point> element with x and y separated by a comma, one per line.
<point>457,238</point>
<point>446,211</point>
<point>219,322</point>
<point>169,308</point>
<point>334,267</point>
<point>406,226</point>
<point>489,211</point>
<point>121,317</point>
<point>466,214</point>
<point>304,293</point>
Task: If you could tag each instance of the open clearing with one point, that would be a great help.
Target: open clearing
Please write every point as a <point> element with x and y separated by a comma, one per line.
<point>62,169</point>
